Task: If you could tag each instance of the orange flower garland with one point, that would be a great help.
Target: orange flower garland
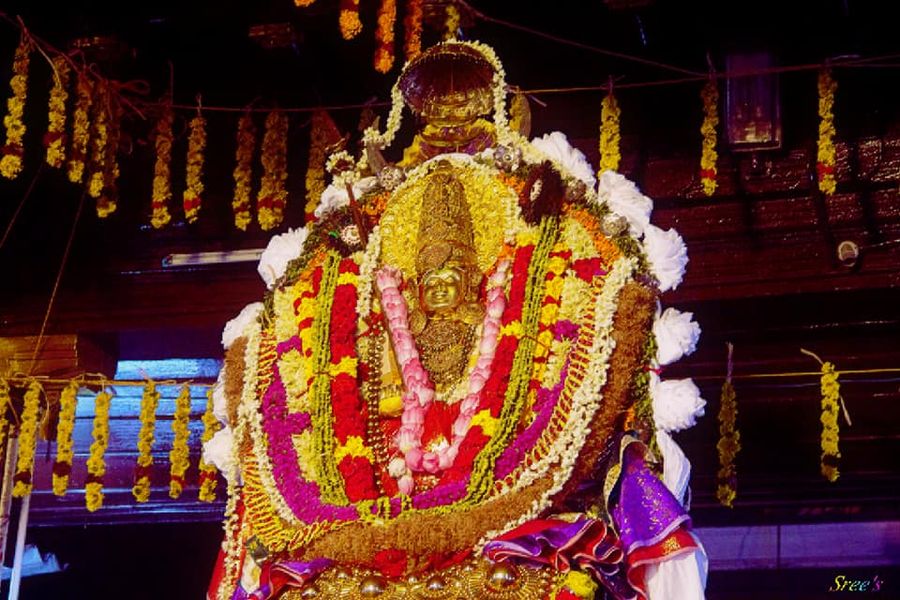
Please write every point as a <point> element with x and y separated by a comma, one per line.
<point>11,161</point>
<point>68,401</point>
<point>80,128</point>
<point>162,175</point>
<point>96,465</point>
<point>708,156</point>
<point>451,24</point>
<point>194,179</point>
<point>243,171</point>
<point>322,132</point>
<point>384,36</point>
<point>412,23</point>
<point>303,3</point>
<point>610,137</point>
<point>208,478</point>
<point>349,19</point>
<point>826,154</point>
<point>272,192</point>
<point>178,456</point>
<point>55,139</point>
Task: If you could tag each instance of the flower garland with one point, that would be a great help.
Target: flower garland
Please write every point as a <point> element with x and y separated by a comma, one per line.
<point>208,478</point>
<point>412,23</point>
<point>831,393</point>
<point>349,19</point>
<point>55,138</point>
<point>99,140</point>
<point>5,404</point>
<point>610,137</point>
<point>451,24</point>
<point>419,391</point>
<point>272,192</point>
<point>149,402</point>
<point>194,179</point>
<point>384,36</point>
<point>107,202</point>
<point>729,439</point>
<point>825,155</point>
<point>11,161</point>
<point>708,156</point>
<point>178,456</point>
<point>162,175</point>
<point>81,125</point>
<point>243,171</point>
<point>322,130</point>
<point>96,465</point>
<point>27,440</point>
<point>303,3</point>
<point>68,401</point>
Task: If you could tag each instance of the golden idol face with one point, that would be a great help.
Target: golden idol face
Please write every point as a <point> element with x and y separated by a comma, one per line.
<point>443,290</point>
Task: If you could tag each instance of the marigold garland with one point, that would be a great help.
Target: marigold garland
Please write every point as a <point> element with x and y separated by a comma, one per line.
<point>5,403</point>
<point>55,138</point>
<point>272,196</point>
<point>384,36</point>
<point>243,171</point>
<point>81,125</point>
<point>96,465</point>
<point>349,19</point>
<point>162,174</point>
<point>68,401</point>
<point>178,456</point>
<point>451,25</point>
<point>610,137</point>
<point>303,3</point>
<point>729,440</point>
<point>708,156</point>
<point>826,154</point>
<point>149,402</point>
<point>208,478</point>
<point>107,202</point>
<point>322,132</point>
<point>194,179</point>
<point>27,440</point>
<point>412,23</point>
<point>99,140</point>
<point>831,393</point>
<point>11,161</point>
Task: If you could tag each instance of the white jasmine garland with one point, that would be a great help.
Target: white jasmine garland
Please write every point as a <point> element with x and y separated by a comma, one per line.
<point>335,195</point>
<point>623,198</point>
<point>676,403</point>
<point>366,278</point>
<point>556,147</point>
<point>235,327</point>
<point>676,335</point>
<point>281,250</point>
<point>667,256</point>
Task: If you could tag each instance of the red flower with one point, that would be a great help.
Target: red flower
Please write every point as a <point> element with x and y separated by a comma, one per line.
<point>359,478</point>
<point>390,562</point>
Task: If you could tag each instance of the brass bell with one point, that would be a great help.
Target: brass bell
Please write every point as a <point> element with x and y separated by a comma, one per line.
<point>372,586</point>
<point>501,576</point>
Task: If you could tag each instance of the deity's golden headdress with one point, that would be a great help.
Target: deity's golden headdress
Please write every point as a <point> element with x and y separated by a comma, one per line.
<point>445,225</point>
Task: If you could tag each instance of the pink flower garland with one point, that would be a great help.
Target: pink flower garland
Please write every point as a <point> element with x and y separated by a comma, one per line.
<point>419,390</point>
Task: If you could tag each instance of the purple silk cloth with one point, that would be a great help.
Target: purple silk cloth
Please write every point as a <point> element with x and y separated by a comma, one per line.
<point>279,574</point>
<point>645,512</point>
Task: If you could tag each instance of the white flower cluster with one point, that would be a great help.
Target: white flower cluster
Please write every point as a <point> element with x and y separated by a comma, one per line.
<point>235,327</point>
<point>676,403</point>
<point>335,195</point>
<point>218,451</point>
<point>281,250</point>
<point>556,147</point>
<point>676,335</point>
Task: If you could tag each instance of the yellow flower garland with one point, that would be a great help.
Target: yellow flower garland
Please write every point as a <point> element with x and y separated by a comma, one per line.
<point>96,465</point>
<point>384,36</point>
<point>56,114</point>
<point>729,440</point>
<point>99,140</point>
<point>315,169</point>
<point>610,137</point>
<point>149,402</point>
<point>107,202</point>
<point>243,171</point>
<point>207,471</point>
<point>708,157</point>
<point>162,174</point>
<point>831,393</point>
<point>68,401</point>
<point>27,440</point>
<point>451,25</point>
<point>11,161</point>
<point>826,154</point>
<point>413,25</point>
<point>81,125</point>
<point>178,456</point>
<point>349,19</point>
<point>272,192</point>
<point>5,404</point>
<point>194,179</point>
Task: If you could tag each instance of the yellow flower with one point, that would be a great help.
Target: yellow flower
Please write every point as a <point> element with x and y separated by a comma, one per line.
<point>208,478</point>
<point>348,19</point>
<point>149,402</point>
<point>272,196</point>
<point>826,152</point>
<point>56,114</point>
<point>580,584</point>
<point>80,128</point>
<point>354,447</point>
<point>64,428</point>
<point>192,197</point>
<point>610,137</point>
<point>27,440</point>
<point>728,446</point>
<point>831,393</point>
<point>484,420</point>
<point>384,36</point>
<point>162,175</point>
<point>178,456</point>
<point>96,465</point>
<point>709,155</point>
<point>11,161</point>
<point>243,171</point>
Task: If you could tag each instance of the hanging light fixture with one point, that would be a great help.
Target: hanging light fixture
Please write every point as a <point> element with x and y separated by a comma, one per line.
<point>753,102</point>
